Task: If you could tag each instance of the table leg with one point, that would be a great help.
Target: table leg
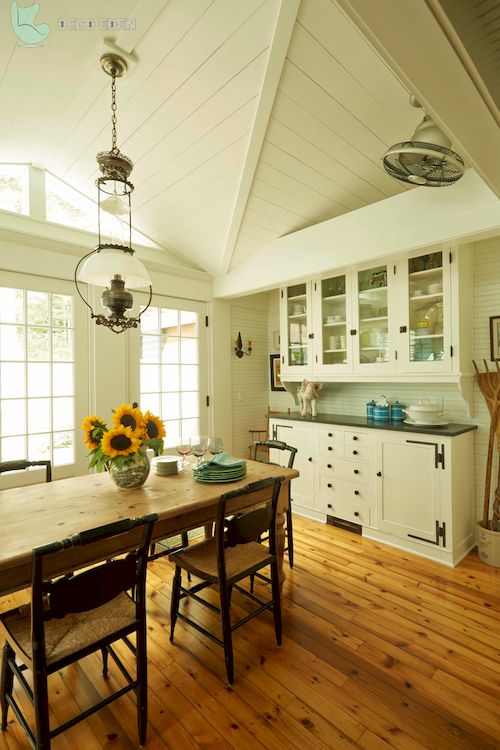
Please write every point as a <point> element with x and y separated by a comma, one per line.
<point>280,530</point>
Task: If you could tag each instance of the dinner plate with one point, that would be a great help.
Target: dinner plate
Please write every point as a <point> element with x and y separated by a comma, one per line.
<point>217,481</point>
<point>441,423</point>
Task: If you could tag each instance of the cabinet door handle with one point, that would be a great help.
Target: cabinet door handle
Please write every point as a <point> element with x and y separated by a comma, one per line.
<point>379,473</point>
<point>328,466</point>
<point>355,437</point>
<point>355,453</point>
<point>330,434</point>
<point>330,448</point>
<point>356,471</point>
<point>356,492</point>
<point>310,458</point>
<point>356,513</point>
<point>329,485</point>
<point>329,505</point>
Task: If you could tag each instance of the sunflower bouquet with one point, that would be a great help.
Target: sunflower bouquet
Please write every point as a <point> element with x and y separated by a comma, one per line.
<point>132,432</point>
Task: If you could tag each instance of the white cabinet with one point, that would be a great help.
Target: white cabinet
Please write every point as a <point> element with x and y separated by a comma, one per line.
<point>410,318</point>
<point>411,490</point>
<point>303,437</point>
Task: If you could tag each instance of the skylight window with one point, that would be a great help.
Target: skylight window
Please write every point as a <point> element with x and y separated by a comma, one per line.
<point>14,188</point>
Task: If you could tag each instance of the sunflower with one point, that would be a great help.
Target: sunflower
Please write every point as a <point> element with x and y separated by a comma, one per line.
<point>153,426</point>
<point>128,416</point>
<point>120,441</point>
<point>94,428</point>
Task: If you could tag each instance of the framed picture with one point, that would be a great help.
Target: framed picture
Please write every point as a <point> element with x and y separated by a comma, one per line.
<point>275,362</point>
<point>495,337</point>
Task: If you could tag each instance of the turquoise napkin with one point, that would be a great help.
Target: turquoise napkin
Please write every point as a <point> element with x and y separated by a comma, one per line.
<point>220,463</point>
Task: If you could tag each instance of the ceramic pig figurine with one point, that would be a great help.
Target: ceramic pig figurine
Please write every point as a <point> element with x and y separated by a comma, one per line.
<point>307,395</point>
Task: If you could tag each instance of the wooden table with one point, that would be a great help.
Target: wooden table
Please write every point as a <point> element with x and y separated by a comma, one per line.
<point>41,513</point>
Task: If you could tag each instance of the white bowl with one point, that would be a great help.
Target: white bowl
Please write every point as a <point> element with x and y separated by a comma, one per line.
<point>425,414</point>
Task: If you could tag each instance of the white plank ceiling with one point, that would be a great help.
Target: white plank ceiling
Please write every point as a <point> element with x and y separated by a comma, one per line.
<point>245,119</point>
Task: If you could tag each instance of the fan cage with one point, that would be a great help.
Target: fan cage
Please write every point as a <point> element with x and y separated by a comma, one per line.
<point>423,164</point>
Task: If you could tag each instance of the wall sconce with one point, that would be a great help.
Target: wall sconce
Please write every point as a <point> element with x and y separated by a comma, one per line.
<point>238,346</point>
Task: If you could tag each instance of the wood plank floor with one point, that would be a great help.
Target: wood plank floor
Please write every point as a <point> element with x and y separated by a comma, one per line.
<point>382,649</point>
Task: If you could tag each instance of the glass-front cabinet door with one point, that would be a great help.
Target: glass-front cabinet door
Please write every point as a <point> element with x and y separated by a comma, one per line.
<point>427,335</point>
<point>296,325</point>
<point>372,350</point>
<point>331,310</point>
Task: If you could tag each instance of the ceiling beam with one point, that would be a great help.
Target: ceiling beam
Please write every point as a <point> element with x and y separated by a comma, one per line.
<point>419,49</point>
<point>285,22</point>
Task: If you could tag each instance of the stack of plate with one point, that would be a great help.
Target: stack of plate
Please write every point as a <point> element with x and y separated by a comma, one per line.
<point>165,465</point>
<point>220,468</point>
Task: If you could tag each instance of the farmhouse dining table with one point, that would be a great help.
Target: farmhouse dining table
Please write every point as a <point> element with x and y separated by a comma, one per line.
<point>42,513</point>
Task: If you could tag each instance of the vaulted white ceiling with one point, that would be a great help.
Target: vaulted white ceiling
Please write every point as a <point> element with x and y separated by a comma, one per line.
<point>248,120</point>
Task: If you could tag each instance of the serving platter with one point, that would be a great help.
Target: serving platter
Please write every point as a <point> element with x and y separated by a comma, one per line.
<point>439,423</point>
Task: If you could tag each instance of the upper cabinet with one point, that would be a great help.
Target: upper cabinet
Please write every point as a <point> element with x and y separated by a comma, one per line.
<point>411,316</point>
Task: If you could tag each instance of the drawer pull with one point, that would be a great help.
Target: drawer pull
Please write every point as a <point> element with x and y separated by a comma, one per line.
<point>379,473</point>
<point>356,471</point>
<point>329,484</point>
<point>330,434</point>
<point>355,437</point>
<point>330,448</point>
<point>356,513</point>
<point>356,492</point>
<point>355,453</point>
<point>328,466</point>
<point>329,505</point>
<point>310,458</point>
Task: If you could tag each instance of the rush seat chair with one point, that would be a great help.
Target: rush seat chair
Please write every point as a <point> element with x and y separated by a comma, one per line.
<point>231,555</point>
<point>70,618</point>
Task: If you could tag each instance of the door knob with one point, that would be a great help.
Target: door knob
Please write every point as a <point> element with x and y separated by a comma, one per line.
<point>356,513</point>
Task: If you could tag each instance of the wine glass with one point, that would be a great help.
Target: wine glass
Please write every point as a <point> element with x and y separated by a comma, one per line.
<point>215,444</point>
<point>199,445</point>
<point>183,448</point>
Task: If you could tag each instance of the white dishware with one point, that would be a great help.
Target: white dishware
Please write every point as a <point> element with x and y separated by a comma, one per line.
<point>438,423</point>
<point>165,465</point>
<point>426,412</point>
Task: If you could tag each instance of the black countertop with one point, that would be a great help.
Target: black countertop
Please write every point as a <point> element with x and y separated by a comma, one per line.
<point>345,420</point>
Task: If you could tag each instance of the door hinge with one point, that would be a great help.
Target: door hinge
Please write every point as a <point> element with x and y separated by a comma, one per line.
<point>281,294</point>
<point>282,359</point>
<point>206,321</point>
<point>394,270</point>
<point>352,331</point>
<point>440,534</point>
<point>208,400</point>
<point>450,256</point>
<point>451,351</point>
<point>311,335</point>
<point>439,456</point>
<point>316,358</point>
<point>396,354</point>
<point>315,287</point>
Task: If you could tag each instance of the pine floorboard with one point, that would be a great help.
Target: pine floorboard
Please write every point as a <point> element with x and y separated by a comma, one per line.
<point>382,650</point>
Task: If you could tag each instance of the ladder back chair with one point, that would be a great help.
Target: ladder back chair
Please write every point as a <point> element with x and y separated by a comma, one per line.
<point>281,446</point>
<point>21,464</point>
<point>232,554</point>
<point>70,618</point>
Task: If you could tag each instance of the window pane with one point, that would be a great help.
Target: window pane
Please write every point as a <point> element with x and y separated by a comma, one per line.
<point>150,378</point>
<point>189,351</point>
<point>171,406</point>
<point>12,382</point>
<point>189,404</point>
<point>62,380</point>
<point>14,188</point>
<point>39,447</point>
<point>172,428</point>
<point>13,417</point>
<point>37,308</point>
<point>188,323</point>
<point>151,402</point>
<point>189,427</point>
<point>13,448</point>
<point>64,448</point>
<point>12,342</point>
<point>170,378</point>
<point>62,414</point>
<point>38,415</point>
<point>169,322</point>
<point>149,320</point>
<point>11,305</point>
<point>62,310</point>
<point>149,349</point>
<point>62,344</point>
<point>38,344</point>
<point>189,377</point>
<point>38,379</point>
<point>169,349</point>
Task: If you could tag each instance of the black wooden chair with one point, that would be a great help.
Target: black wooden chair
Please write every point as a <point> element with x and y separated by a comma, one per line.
<point>70,618</point>
<point>22,464</point>
<point>281,446</point>
<point>231,555</point>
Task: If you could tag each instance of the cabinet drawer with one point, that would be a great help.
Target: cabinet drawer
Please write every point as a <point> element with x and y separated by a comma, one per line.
<point>328,447</point>
<point>358,452</point>
<point>358,439</point>
<point>354,471</point>
<point>331,434</point>
<point>330,486</point>
<point>355,512</point>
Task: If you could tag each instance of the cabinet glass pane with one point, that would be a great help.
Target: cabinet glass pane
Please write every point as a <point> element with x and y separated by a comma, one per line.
<point>333,317</point>
<point>297,324</point>
<point>372,312</point>
<point>425,291</point>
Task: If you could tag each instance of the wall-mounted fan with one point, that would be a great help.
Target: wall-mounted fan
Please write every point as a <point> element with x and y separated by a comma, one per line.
<point>426,159</point>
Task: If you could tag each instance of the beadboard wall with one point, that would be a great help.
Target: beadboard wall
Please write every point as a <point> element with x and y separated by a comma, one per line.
<point>351,398</point>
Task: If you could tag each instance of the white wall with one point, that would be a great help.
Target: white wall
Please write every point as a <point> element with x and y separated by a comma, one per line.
<point>351,398</point>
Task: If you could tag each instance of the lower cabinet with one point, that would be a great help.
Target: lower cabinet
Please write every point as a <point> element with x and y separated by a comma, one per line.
<point>411,490</point>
